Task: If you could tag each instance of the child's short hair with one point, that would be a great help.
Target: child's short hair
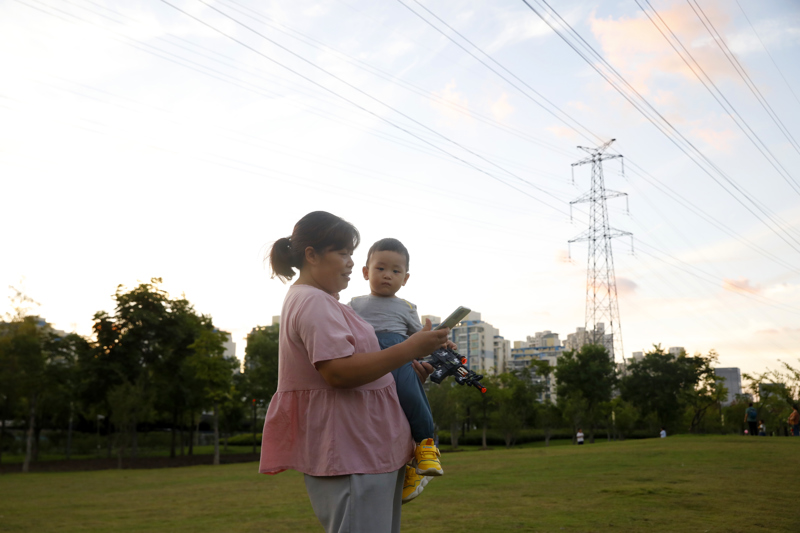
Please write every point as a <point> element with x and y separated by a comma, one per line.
<point>389,245</point>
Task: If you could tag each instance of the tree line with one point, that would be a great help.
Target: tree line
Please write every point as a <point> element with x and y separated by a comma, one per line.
<point>680,393</point>
<point>156,364</point>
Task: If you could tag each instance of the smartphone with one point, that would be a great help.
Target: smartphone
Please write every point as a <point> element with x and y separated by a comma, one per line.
<point>454,318</point>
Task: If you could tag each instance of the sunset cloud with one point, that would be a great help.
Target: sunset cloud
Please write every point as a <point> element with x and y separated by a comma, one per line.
<point>501,108</point>
<point>449,95</point>
<point>563,132</point>
<point>636,48</point>
<point>741,285</point>
<point>720,140</point>
<point>626,286</point>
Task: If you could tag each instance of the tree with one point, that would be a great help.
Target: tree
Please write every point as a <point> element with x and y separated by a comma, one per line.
<point>449,405</point>
<point>129,356</point>
<point>708,391</point>
<point>775,391</point>
<point>214,372</point>
<point>586,379</point>
<point>144,348</point>
<point>665,386</point>
<point>547,413</point>
<point>261,368</point>
<point>38,369</point>
<point>515,396</point>
<point>22,348</point>
<point>625,416</point>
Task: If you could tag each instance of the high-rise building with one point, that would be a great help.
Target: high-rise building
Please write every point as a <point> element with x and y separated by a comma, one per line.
<point>575,341</point>
<point>502,353</point>
<point>733,382</point>
<point>435,320</point>
<point>543,346</point>
<point>476,341</point>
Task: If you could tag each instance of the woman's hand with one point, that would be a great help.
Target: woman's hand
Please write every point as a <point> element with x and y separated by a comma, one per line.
<point>425,342</point>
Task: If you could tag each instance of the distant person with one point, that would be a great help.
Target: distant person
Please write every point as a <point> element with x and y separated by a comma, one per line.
<point>579,436</point>
<point>663,433</point>
<point>762,429</point>
<point>794,421</point>
<point>394,319</point>
<point>335,416</point>
<point>751,417</point>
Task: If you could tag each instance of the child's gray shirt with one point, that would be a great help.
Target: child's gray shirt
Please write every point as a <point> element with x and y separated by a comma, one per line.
<point>390,314</point>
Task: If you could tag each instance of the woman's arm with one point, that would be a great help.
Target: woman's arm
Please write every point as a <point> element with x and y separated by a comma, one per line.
<point>362,368</point>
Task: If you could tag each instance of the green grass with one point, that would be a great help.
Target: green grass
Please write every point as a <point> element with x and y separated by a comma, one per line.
<point>9,458</point>
<point>683,483</point>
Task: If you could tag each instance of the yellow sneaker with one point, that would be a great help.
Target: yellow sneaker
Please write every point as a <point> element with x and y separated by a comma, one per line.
<point>426,459</point>
<point>413,484</point>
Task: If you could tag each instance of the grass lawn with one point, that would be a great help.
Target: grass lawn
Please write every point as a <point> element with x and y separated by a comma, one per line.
<point>682,483</point>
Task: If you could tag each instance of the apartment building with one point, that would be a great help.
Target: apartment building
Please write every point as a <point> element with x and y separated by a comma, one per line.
<point>476,341</point>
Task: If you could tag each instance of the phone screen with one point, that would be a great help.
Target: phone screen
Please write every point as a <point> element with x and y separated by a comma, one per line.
<point>454,318</point>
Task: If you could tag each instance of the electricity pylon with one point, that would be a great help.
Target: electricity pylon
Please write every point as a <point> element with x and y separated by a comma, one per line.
<point>601,284</point>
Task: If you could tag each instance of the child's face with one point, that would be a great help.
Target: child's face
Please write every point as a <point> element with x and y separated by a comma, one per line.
<point>386,273</point>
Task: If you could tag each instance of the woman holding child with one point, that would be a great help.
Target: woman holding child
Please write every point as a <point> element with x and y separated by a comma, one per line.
<point>336,416</point>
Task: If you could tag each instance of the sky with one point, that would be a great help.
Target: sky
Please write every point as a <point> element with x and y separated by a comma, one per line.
<point>180,138</point>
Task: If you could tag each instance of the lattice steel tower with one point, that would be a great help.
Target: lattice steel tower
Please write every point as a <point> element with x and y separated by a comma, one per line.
<point>601,284</point>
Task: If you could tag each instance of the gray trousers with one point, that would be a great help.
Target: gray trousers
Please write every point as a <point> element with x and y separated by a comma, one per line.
<point>358,503</point>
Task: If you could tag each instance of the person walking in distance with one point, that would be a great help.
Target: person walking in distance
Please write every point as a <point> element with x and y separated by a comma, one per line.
<point>751,417</point>
<point>794,421</point>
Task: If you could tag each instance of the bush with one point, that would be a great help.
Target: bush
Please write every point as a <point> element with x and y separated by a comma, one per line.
<point>245,439</point>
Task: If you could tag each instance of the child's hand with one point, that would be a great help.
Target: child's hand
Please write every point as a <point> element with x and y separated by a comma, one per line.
<point>422,369</point>
<point>425,342</point>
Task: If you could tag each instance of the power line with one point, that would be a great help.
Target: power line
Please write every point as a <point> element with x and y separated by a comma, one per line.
<point>524,93</point>
<point>717,94</point>
<point>377,71</point>
<point>665,127</point>
<point>681,200</point>
<point>768,53</point>
<point>383,119</point>
<point>220,76</point>
<point>734,61</point>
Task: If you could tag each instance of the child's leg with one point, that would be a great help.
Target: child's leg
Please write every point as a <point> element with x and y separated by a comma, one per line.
<point>410,393</point>
<point>414,402</point>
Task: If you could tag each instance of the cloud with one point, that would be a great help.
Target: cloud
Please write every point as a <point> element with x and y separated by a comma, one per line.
<point>637,49</point>
<point>563,132</point>
<point>516,29</point>
<point>501,108</point>
<point>626,286</point>
<point>778,331</point>
<point>741,285</point>
<point>449,95</point>
<point>562,256</point>
<point>720,140</point>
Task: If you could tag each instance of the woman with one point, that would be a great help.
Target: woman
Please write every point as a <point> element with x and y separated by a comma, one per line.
<point>335,416</point>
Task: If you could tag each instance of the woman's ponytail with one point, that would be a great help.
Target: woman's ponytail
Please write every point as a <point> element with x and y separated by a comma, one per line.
<point>281,259</point>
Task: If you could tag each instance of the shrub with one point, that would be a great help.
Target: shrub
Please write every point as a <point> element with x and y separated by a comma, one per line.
<point>245,439</point>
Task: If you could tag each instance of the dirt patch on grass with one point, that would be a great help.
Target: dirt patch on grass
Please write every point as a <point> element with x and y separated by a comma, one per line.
<point>83,465</point>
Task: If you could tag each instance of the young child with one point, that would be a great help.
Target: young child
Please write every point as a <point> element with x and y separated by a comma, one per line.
<point>394,320</point>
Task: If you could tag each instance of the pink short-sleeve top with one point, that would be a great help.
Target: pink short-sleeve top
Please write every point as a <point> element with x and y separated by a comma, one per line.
<point>314,428</point>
